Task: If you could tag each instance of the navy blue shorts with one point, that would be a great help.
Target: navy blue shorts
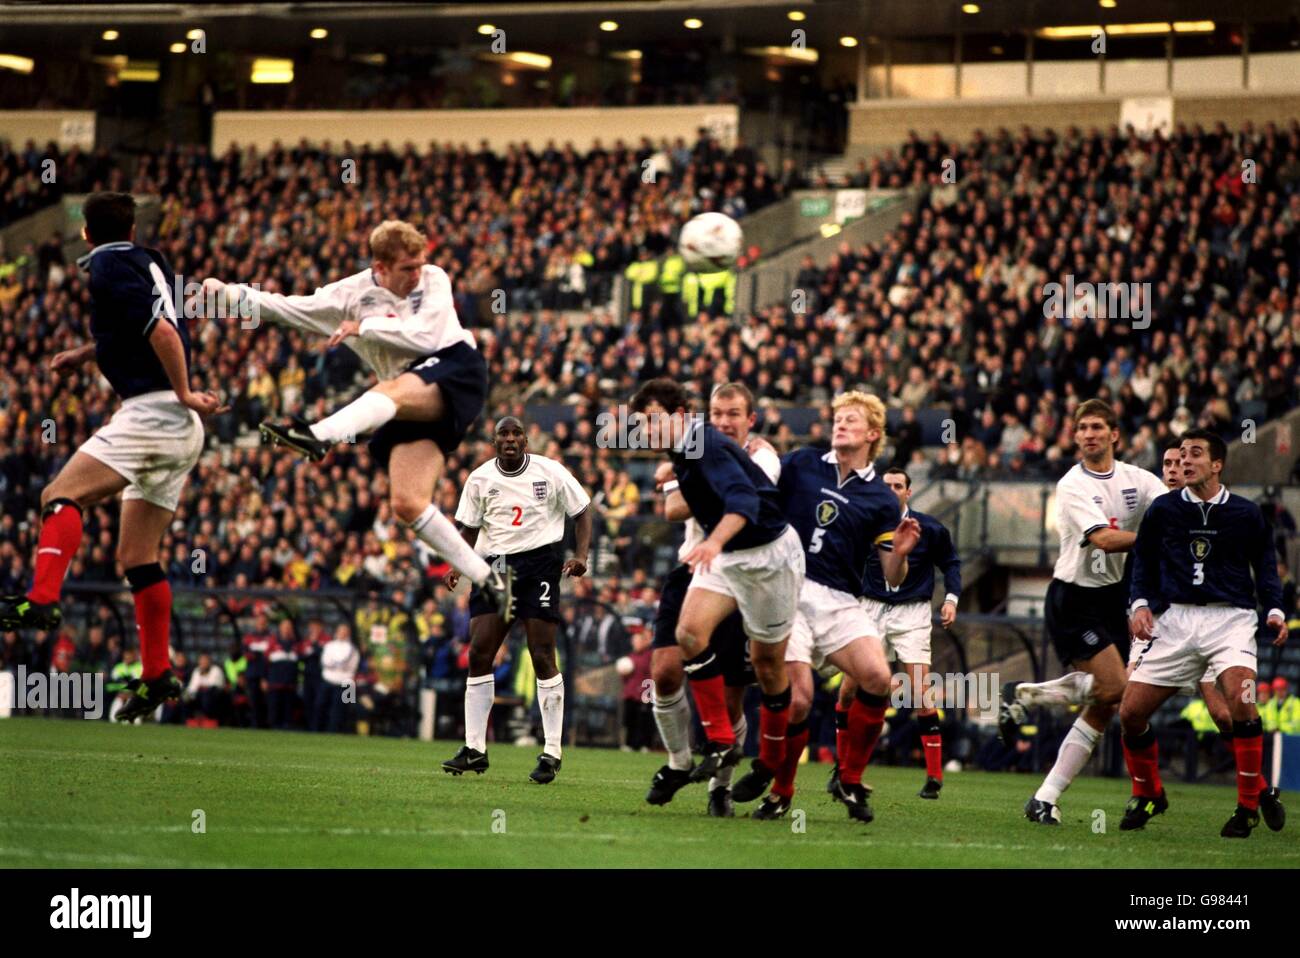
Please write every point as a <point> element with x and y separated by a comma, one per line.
<point>1082,621</point>
<point>537,584</point>
<point>728,641</point>
<point>461,375</point>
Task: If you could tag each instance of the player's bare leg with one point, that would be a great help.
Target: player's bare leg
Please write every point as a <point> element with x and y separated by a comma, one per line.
<point>1105,680</point>
<point>927,717</point>
<point>550,697</point>
<point>82,482</point>
<point>1138,704</point>
<point>702,612</point>
<point>863,661</point>
<point>1254,797</point>
<point>143,525</point>
<point>486,633</point>
<point>777,802</point>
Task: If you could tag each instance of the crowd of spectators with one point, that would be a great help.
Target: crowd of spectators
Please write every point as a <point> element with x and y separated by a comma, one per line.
<point>949,311</point>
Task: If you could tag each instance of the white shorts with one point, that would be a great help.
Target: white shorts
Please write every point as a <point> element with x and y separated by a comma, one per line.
<point>826,622</point>
<point>904,629</point>
<point>765,582</point>
<point>153,442</point>
<point>1197,643</point>
<point>1137,649</point>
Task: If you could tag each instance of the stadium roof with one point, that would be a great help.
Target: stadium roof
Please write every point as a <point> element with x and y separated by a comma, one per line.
<point>283,27</point>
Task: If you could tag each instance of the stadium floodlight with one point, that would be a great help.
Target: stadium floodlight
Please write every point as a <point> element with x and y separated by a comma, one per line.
<point>486,29</point>
<point>521,58</point>
<point>11,61</point>
<point>609,26</point>
<point>970,8</point>
<point>139,71</point>
<point>694,23</point>
<point>1107,4</point>
<point>194,34</point>
<point>798,16</point>
<point>848,41</point>
<point>109,35</point>
<point>626,55</point>
<point>320,33</point>
<point>803,55</point>
<point>176,47</point>
<point>266,70</point>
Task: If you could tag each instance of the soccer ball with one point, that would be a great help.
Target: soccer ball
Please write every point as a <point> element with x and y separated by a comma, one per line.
<point>710,242</point>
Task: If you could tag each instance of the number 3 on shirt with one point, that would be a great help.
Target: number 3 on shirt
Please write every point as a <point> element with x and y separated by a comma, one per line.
<point>1198,573</point>
<point>518,520</point>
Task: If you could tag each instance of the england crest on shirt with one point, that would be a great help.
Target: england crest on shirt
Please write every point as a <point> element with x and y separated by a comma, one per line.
<point>1130,498</point>
<point>539,491</point>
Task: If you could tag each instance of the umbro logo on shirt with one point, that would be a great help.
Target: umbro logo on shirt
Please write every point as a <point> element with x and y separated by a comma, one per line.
<point>493,491</point>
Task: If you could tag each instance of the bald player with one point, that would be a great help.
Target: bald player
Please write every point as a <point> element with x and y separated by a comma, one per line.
<point>512,512</point>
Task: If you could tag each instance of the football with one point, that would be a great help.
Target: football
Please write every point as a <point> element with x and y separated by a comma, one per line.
<point>710,242</point>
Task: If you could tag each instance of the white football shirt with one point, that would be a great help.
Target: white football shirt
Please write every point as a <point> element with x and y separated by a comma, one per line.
<point>764,457</point>
<point>522,510</point>
<point>393,333</point>
<point>1087,501</point>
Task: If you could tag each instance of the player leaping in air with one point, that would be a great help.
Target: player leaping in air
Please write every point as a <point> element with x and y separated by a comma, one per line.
<point>512,512</point>
<point>142,347</point>
<point>398,316</point>
<point>750,560</point>
<point>1195,554</point>
<point>842,513</point>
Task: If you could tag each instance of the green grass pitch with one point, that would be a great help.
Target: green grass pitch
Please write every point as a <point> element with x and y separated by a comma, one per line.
<point>90,794</point>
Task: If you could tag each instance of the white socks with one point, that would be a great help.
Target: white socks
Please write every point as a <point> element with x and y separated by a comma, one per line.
<point>550,699</point>
<point>723,778</point>
<point>364,414</point>
<point>1072,689</point>
<point>438,532</point>
<point>1072,756</point>
<point>673,716</point>
<point>480,690</point>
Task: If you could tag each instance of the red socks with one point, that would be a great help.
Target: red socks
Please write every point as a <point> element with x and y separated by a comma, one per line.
<point>1248,745</point>
<point>153,616</point>
<point>1143,762</point>
<point>932,745</point>
<point>866,719</point>
<point>773,723</point>
<point>796,740</point>
<point>711,703</point>
<point>58,543</point>
<point>841,733</point>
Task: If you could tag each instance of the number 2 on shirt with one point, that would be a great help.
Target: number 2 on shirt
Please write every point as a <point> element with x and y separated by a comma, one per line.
<point>518,520</point>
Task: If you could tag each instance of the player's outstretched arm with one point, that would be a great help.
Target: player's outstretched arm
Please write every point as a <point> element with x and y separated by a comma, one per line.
<point>577,566</point>
<point>70,359</point>
<point>166,343</point>
<point>321,313</point>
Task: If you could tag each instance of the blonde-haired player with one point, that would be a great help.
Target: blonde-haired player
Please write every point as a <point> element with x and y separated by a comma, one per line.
<point>843,513</point>
<point>399,318</point>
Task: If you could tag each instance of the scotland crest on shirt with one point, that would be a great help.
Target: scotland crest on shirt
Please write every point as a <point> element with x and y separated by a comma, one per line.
<point>826,512</point>
<point>539,490</point>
